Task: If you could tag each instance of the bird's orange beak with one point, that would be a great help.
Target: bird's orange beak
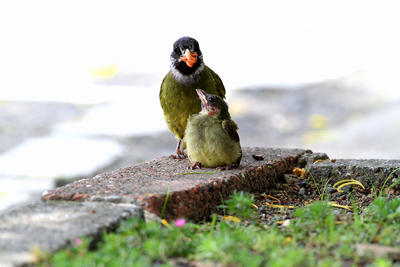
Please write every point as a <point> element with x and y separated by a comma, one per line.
<point>189,58</point>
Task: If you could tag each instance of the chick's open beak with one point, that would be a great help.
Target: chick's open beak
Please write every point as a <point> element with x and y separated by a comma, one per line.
<point>203,96</point>
<point>189,58</point>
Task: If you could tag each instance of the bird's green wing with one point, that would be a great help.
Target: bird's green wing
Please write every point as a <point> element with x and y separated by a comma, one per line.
<point>161,89</point>
<point>219,86</point>
<point>231,128</point>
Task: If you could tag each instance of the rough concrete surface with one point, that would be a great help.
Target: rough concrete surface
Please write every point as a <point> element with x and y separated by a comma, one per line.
<point>193,196</point>
<point>53,225</point>
<point>367,171</point>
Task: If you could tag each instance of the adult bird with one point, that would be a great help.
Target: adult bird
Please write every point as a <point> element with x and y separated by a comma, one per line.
<point>211,136</point>
<point>178,96</point>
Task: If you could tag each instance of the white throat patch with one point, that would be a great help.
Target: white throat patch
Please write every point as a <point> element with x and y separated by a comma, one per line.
<point>186,79</point>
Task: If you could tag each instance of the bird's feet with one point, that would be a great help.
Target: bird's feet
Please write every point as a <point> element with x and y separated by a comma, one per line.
<point>196,165</point>
<point>178,154</point>
<point>227,167</point>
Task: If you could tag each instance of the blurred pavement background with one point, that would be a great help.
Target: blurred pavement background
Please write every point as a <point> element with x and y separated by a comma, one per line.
<point>80,80</point>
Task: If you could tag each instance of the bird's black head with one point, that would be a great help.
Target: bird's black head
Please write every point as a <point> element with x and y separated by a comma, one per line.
<point>213,105</point>
<point>186,56</point>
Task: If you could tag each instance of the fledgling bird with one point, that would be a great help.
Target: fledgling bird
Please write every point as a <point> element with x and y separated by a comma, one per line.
<point>178,96</point>
<point>211,136</point>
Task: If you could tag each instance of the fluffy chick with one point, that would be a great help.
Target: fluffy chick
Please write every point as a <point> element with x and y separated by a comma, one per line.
<point>211,136</point>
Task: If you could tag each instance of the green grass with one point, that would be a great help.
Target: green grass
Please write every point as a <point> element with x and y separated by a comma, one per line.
<point>321,192</point>
<point>320,235</point>
<point>382,192</point>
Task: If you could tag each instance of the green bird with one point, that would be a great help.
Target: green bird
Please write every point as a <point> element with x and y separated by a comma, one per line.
<point>211,136</point>
<point>178,96</point>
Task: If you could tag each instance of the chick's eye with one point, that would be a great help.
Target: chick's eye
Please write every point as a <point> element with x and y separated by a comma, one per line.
<point>210,99</point>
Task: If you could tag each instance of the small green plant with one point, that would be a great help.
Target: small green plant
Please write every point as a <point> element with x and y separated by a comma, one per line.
<point>319,214</point>
<point>240,204</point>
<point>372,184</point>
<point>321,193</point>
<point>387,179</point>
<point>385,209</point>
<point>165,202</point>
<point>383,186</point>
<point>223,204</point>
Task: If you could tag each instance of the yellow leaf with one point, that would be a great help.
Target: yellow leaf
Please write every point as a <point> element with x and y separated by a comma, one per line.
<point>231,218</point>
<point>320,160</point>
<point>300,172</point>
<point>279,206</point>
<point>340,206</point>
<point>287,240</point>
<point>346,182</point>
<point>272,197</point>
<point>164,222</point>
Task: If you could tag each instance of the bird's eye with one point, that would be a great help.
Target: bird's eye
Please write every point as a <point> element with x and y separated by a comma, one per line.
<point>210,99</point>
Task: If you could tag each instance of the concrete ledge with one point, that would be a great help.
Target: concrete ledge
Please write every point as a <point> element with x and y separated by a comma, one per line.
<point>367,171</point>
<point>192,196</point>
<point>51,226</point>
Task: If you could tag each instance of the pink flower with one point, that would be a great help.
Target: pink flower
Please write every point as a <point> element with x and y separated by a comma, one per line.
<point>180,222</point>
<point>77,242</point>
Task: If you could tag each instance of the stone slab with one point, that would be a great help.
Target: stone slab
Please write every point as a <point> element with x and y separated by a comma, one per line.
<point>53,225</point>
<point>193,196</point>
<point>367,171</point>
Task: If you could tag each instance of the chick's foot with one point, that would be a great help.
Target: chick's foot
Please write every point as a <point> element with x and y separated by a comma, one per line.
<point>196,165</point>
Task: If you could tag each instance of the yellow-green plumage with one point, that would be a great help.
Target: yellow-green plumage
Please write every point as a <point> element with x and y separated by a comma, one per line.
<point>178,96</point>
<point>180,101</point>
<point>212,140</point>
<point>209,143</point>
